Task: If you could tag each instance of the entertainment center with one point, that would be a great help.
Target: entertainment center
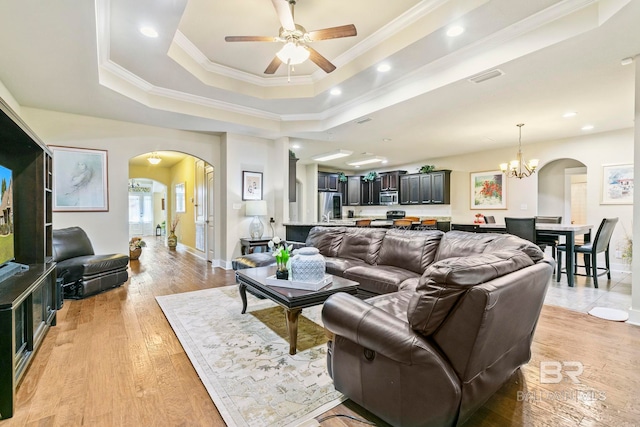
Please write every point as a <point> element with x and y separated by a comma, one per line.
<point>27,297</point>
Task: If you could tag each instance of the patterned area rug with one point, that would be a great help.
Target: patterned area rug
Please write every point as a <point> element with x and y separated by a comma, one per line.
<point>243,359</point>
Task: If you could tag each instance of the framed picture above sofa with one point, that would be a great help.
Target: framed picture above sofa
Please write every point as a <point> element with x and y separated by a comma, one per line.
<point>488,190</point>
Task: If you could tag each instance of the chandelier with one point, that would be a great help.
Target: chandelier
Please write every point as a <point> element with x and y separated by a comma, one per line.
<point>519,168</point>
<point>154,159</point>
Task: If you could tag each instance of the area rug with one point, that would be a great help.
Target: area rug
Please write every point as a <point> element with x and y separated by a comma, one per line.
<point>243,359</point>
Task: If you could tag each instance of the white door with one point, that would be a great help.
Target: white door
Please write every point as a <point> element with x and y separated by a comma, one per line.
<point>141,214</point>
<point>200,205</point>
<point>210,215</point>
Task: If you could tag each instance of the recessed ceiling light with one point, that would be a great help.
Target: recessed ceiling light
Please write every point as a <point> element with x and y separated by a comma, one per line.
<point>335,91</point>
<point>386,139</point>
<point>587,127</point>
<point>569,114</point>
<point>384,162</point>
<point>383,68</point>
<point>295,146</point>
<point>455,31</point>
<point>149,32</point>
<point>332,155</point>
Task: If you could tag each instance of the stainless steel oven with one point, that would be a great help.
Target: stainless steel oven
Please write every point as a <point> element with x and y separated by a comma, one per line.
<point>389,198</point>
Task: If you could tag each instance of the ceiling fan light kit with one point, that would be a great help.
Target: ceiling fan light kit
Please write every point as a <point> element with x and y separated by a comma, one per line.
<point>293,54</point>
<point>296,51</point>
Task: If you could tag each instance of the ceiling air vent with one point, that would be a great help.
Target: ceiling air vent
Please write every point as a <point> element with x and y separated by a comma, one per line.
<point>363,120</point>
<point>486,76</point>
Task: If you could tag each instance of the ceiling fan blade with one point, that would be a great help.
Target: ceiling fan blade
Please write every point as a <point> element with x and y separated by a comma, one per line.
<point>273,66</point>
<point>284,14</point>
<point>333,33</point>
<point>250,39</point>
<point>320,60</point>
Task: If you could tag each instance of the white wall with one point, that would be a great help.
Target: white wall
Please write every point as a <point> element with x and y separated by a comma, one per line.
<point>108,231</point>
<point>246,153</point>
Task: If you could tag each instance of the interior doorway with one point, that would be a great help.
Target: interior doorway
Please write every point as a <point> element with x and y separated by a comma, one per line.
<point>146,207</point>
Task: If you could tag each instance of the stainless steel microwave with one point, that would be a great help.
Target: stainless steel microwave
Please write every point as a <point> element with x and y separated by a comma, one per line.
<point>389,198</point>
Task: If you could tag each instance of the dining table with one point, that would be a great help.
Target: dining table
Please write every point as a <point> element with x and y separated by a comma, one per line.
<point>569,231</point>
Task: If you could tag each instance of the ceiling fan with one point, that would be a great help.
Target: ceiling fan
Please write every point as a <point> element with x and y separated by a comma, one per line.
<point>295,37</point>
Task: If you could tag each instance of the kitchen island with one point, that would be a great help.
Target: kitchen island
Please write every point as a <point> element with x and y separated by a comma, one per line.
<point>299,230</point>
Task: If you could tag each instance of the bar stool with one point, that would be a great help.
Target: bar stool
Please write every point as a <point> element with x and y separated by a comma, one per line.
<point>402,224</point>
<point>363,222</point>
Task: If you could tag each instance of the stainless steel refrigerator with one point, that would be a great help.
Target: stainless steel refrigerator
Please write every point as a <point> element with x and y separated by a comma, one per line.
<point>329,206</point>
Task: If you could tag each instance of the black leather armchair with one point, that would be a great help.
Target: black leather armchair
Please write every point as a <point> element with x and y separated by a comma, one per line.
<point>83,272</point>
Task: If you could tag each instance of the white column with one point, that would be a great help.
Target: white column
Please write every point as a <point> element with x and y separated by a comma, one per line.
<point>634,312</point>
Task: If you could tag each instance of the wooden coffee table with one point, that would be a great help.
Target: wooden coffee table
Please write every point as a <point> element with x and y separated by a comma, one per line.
<point>292,300</point>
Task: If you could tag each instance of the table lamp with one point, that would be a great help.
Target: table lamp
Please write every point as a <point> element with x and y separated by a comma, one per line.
<point>256,208</point>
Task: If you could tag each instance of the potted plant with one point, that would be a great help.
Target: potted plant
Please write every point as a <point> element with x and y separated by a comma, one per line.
<point>427,168</point>
<point>282,253</point>
<point>135,247</point>
<point>172,239</point>
<point>371,176</point>
<point>342,177</point>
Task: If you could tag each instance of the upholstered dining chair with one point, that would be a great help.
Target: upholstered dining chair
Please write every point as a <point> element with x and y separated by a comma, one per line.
<point>590,251</point>
<point>428,224</point>
<point>524,228</point>
<point>489,219</point>
<point>412,218</point>
<point>550,240</point>
<point>403,224</point>
<point>363,222</point>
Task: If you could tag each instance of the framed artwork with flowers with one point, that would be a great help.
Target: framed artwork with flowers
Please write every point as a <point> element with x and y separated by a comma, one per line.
<point>488,190</point>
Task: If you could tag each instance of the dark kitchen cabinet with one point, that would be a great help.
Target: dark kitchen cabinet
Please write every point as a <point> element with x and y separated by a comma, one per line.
<point>428,188</point>
<point>410,189</point>
<point>327,181</point>
<point>435,187</point>
<point>353,191</point>
<point>370,192</point>
<point>390,181</point>
<point>292,178</point>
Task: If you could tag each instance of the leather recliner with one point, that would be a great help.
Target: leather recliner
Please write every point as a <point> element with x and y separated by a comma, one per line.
<point>433,354</point>
<point>83,272</point>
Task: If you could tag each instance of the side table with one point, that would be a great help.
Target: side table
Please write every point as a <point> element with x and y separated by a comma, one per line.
<point>249,244</point>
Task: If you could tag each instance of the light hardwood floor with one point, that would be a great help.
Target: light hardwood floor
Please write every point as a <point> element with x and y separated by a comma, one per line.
<point>113,360</point>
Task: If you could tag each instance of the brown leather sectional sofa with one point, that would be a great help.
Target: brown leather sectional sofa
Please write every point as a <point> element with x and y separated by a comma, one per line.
<point>453,320</point>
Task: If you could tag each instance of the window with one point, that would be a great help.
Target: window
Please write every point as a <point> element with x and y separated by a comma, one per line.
<point>180,198</point>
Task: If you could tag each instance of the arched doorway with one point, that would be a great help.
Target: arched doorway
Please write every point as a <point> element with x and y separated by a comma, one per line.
<point>187,197</point>
<point>146,207</point>
<point>562,190</point>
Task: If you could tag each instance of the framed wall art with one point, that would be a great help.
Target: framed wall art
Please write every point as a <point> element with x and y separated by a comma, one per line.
<point>80,182</point>
<point>251,185</point>
<point>617,184</point>
<point>488,190</point>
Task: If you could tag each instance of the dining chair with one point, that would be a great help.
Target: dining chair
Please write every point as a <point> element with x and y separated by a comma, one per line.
<point>550,240</point>
<point>524,228</point>
<point>489,219</point>
<point>428,224</point>
<point>412,218</point>
<point>590,251</point>
<point>363,222</point>
<point>402,224</point>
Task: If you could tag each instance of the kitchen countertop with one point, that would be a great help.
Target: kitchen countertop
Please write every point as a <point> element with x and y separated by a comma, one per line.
<point>350,222</point>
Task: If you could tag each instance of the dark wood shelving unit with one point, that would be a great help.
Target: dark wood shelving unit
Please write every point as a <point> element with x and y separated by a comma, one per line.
<point>28,298</point>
